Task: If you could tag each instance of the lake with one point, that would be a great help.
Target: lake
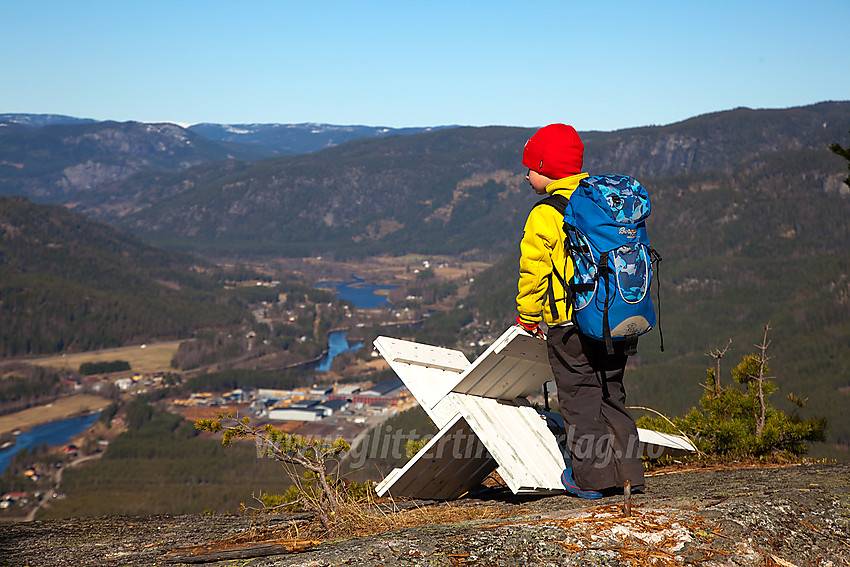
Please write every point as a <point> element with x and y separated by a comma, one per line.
<point>53,433</point>
<point>361,293</point>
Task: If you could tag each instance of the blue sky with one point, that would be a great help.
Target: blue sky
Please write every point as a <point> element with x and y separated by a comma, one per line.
<point>599,65</point>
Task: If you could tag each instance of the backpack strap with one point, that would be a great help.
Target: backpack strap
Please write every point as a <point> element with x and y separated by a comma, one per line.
<point>656,258</point>
<point>602,272</point>
<point>550,292</point>
<point>559,203</point>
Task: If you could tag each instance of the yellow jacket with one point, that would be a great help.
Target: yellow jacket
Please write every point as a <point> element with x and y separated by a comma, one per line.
<point>542,251</point>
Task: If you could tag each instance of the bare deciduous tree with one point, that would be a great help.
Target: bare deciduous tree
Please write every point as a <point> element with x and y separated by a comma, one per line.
<point>718,355</point>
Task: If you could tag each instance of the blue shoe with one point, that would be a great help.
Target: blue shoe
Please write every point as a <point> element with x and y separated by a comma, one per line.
<point>570,486</point>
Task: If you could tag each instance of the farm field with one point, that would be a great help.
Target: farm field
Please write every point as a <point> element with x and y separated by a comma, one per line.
<point>143,359</point>
<point>62,408</point>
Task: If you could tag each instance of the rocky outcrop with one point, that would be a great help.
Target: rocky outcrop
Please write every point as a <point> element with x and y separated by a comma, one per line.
<point>795,515</point>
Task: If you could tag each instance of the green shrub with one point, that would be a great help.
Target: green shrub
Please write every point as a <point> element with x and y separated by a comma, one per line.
<point>738,421</point>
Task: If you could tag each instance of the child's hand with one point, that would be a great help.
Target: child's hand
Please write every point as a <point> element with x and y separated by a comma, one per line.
<point>531,329</point>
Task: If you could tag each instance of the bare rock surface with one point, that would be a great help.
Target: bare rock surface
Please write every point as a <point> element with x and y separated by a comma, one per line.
<point>795,515</point>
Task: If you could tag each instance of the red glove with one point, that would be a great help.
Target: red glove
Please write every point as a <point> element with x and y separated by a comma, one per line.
<point>532,328</point>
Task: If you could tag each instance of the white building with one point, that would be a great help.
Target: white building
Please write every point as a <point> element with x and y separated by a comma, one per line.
<point>296,414</point>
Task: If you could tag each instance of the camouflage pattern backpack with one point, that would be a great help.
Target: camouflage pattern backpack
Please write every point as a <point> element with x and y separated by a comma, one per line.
<point>604,220</point>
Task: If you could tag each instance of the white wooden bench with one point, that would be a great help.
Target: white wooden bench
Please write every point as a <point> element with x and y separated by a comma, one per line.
<point>485,420</point>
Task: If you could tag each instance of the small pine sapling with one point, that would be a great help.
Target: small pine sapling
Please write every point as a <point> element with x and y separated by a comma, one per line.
<point>740,422</point>
<point>314,455</point>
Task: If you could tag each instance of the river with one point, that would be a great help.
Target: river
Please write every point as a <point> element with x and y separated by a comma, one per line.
<point>53,433</point>
<point>337,344</point>
<point>364,296</point>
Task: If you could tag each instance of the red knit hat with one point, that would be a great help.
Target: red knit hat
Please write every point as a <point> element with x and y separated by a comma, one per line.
<point>555,151</point>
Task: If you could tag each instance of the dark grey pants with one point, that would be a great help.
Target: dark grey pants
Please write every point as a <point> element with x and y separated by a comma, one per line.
<point>601,435</point>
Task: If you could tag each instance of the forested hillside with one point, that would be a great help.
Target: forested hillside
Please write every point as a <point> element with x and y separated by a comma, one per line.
<point>70,283</point>
<point>458,190</point>
<point>440,192</point>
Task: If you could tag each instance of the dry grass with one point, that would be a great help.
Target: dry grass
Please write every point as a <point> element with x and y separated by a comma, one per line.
<point>369,520</point>
<point>62,408</point>
<point>356,520</point>
<point>148,360</point>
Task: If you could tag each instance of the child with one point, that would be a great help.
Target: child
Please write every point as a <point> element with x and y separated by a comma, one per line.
<point>601,435</point>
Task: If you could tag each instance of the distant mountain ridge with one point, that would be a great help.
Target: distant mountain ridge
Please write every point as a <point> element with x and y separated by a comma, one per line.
<point>448,191</point>
<point>293,139</point>
<point>39,120</point>
<point>47,156</point>
<point>721,141</point>
<point>48,162</point>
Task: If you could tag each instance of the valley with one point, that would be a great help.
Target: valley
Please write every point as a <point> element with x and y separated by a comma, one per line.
<point>214,261</point>
<point>348,399</point>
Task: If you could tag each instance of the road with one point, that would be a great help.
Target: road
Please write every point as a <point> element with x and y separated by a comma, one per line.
<point>48,495</point>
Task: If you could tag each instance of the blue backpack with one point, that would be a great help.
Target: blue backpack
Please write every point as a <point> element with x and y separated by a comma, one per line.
<point>607,241</point>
